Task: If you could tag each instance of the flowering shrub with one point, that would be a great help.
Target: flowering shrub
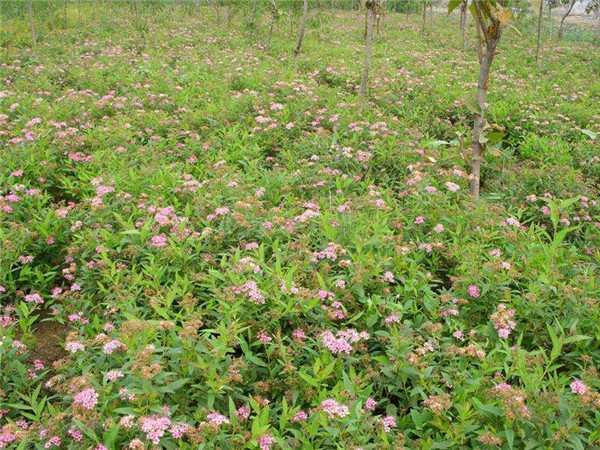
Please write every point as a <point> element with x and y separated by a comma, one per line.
<point>201,248</point>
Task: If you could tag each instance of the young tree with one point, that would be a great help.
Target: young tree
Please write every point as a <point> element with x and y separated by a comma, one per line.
<point>463,23</point>
<point>31,22</point>
<point>569,4</point>
<point>371,12</point>
<point>424,18</point>
<point>275,14</point>
<point>302,32</point>
<point>491,17</point>
<point>540,7</point>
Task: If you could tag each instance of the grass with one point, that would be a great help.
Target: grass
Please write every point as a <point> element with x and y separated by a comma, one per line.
<point>232,254</point>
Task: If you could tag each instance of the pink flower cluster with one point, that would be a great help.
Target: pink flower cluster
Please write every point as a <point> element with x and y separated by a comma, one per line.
<point>250,291</point>
<point>334,409</point>
<point>87,398</point>
<point>265,442</point>
<point>503,322</point>
<point>342,343</point>
<point>578,387</point>
<point>388,423</point>
<point>155,427</point>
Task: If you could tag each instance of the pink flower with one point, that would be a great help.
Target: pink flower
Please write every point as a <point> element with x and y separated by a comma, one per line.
<point>263,337</point>
<point>35,298</point>
<point>419,220</point>
<point>87,398</point>
<point>474,291</point>
<point>243,412</point>
<point>370,404</point>
<point>155,427</point>
<point>300,416</point>
<point>388,423</point>
<point>113,345</point>
<point>75,347</point>
<point>388,277</point>
<point>334,409</point>
<point>453,187</point>
<point>265,442</point>
<point>178,429</point>
<point>158,241</point>
<point>578,387</point>
<point>217,419</point>
<point>113,375</point>
<point>54,441</point>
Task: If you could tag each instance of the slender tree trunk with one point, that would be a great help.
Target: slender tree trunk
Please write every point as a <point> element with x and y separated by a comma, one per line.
<point>301,35</point>
<point>31,22</point>
<point>368,45</point>
<point>482,88</point>
<point>424,19</point>
<point>253,20</point>
<point>479,41</point>
<point>539,33</point>
<point>562,20</point>
<point>270,35</point>
<point>51,14</point>
<point>550,19</point>
<point>463,24</point>
<point>431,16</point>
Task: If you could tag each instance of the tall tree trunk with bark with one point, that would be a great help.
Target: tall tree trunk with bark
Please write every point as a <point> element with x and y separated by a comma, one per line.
<point>372,13</point>
<point>539,33</point>
<point>491,37</point>
<point>463,24</point>
<point>31,22</point>
<point>302,32</point>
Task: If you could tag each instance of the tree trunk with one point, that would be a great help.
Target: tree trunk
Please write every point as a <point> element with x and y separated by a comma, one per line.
<point>51,14</point>
<point>482,88</point>
<point>301,35</point>
<point>424,19</point>
<point>463,24</point>
<point>431,16</point>
<point>368,45</point>
<point>253,20</point>
<point>562,20</point>
<point>550,18</point>
<point>539,33</point>
<point>31,22</point>
<point>268,43</point>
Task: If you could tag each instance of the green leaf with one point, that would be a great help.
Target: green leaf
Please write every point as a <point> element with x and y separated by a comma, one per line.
<point>591,134</point>
<point>453,4</point>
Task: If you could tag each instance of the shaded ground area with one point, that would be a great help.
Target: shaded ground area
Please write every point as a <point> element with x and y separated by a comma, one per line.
<point>48,335</point>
